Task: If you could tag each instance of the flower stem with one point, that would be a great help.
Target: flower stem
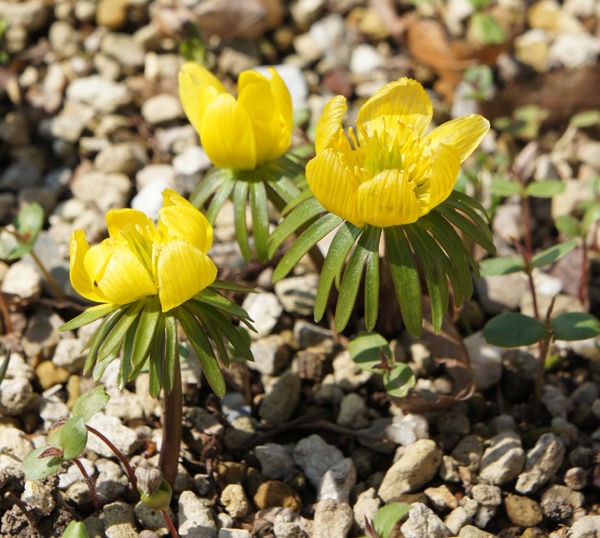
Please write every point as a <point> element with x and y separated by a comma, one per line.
<point>90,484</point>
<point>171,419</point>
<point>120,456</point>
<point>170,524</point>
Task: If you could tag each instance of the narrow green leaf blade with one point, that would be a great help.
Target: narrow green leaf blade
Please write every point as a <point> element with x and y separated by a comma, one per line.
<point>545,189</point>
<point>171,353</point>
<point>371,241</point>
<point>334,261</point>
<point>504,187</point>
<point>260,219</point>
<point>501,266</point>
<point>575,326</point>
<point>220,197</point>
<point>100,335</point>
<point>553,254</point>
<point>307,239</point>
<point>150,320</point>
<point>156,363</point>
<point>210,183</point>
<point>513,330</point>
<point>90,314</point>
<point>405,278</point>
<point>240,199</point>
<point>115,339</point>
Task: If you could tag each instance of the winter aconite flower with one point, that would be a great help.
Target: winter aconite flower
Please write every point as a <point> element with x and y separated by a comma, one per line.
<point>139,259</point>
<point>388,171</point>
<point>238,133</point>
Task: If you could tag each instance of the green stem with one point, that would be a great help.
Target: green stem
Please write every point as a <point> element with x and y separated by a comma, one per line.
<point>120,456</point>
<point>51,280</point>
<point>171,419</point>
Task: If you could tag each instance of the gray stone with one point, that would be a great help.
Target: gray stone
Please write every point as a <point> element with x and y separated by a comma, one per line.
<point>503,460</point>
<point>469,531</point>
<point>155,173</point>
<point>19,174</point>
<point>72,474</point>
<point>119,521</point>
<point>523,511</point>
<point>441,498</point>
<point>348,376</point>
<point>191,162</point>
<point>52,409</point>
<point>281,401</point>
<point>585,527</point>
<point>574,50</point>
<point>195,517</point>
<point>559,502</point>
<point>365,59</point>
<point>162,108</point>
<point>14,446</point>
<point>233,498</point>
<point>41,336</point>
<point>555,401</point>
<point>541,464</point>
<point>456,520</point>
<point>486,360</point>
<point>416,466</point>
<point>500,293</point>
<point>422,522</point>
<point>64,39</point>
<point>234,533</point>
<point>111,481</point>
<point>353,412</point>
<point>105,191</point>
<point>487,494</point>
<point>16,395</point>
<point>38,498</point>
<point>338,481</point>
<point>69,354</point>
<point>308,334</point>
<point>123,158</point>
<point>22,280</point>
<point>332,519</point>
<point>297,294</point>
<point>366,506</point>
<point>149,199</point>
<point>264,309</point>
<point>151,520</point>
<point>406,429</point>
<point>104,95</point>
<point>124,438</point>
<point>123,48</point>
<point>31,15</point>
<point>314,456</point>
<point>275,461</point>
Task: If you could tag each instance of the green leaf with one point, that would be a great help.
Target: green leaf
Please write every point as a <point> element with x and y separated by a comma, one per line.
<point>575,326</point>
<point>307,239</point>
<point>75,529</point>
<point>372,287</point>
<point>366,350</point>
<point>211,182</point>
<point>89,403</point>
<point>220,197</point>
<point>300,215</point>
<point>171,353</point>
<point>72,437</point>
<point>149,325</point>
<point>545,189</point>
<point>115,339</point>
<point>589,118</point>
<point>568,226</point>
<point>88,316</point>
<point>334,261</point>
<point>126,363</point>
<point>231,286</point>
<point>260,219</point>
<point>36,468</point>
<point>590,216</point>
<point>405,278</point>
<point>505,187</point>
<point>388,516</point>
<point>366,245</point>
<point>240,198</point>
<point>156,363</point>
<point>399,381</point>
<point>214,333</point>
<point>486,29</point>
<point>501,266</point>
<point>215,299</point>
<point>284,188</point>
<point>513,330</point>
<point>553,254</point>
<point>201,345</point>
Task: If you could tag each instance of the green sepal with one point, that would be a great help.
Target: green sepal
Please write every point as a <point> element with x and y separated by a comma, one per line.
<point>284,188</point>
<point>575,326</point>
<point>299,215</point>
<point>513,330</point>
<point>405,278</point>
<point>114,340</point>
<point>201,345</point>
<point>89,403</point>
<point>126,364</point>
<point>171,353</point>
<point>553,254</point>
<point>307,239</point>
<point>227,307</point>
<point>156,364</point>
<point>150,322</point>
<point>260,219</point>
<point>99,337</point>
<point>372,283</point>
<point>334,261</point>
<point>209,325</point>
<point>211,182</point>
<point>220,197</point>
<point>88,316</point>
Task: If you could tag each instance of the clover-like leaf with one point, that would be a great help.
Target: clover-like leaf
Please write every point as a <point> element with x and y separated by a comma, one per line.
<point>575,326</point>
<point>75,529</point>
<point>366,351</point>
<point>513,330</point>
<point>388,516</point>
<point>38,466</point>
<point>89,403</point>
<point>71,437</point>
<point>399,380</point>
<point>553,254</point>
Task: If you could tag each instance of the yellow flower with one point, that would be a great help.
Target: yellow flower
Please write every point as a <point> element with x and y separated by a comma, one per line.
<point>139,259</point>
<point>243,133</point>
<point>389,172</point>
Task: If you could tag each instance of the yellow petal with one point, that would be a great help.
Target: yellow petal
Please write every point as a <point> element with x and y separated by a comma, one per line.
<point>388,199</point>
<point>179,219</point>
<point>442,177</point>
<point>403,101</point>
<point>117,219</point>
<point>182,271</point>
<point>227,135</point>
<point>334,184</point>
<point>198,87</point>
<point>117,273</point>
<point>464,134</point>
<point>80,279</point>
<point>268,104</point>
<point>330,122</point>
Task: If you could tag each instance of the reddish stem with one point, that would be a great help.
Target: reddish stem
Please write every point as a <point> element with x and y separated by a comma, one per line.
<point>170,524</point>
<point>90,484</point>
